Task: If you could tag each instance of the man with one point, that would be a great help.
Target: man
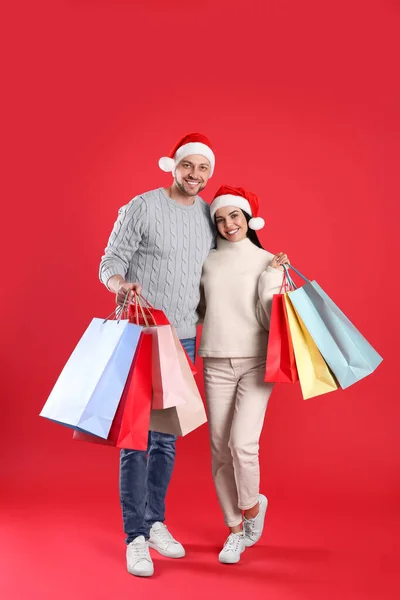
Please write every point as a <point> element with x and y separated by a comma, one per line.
<point>157,247</point>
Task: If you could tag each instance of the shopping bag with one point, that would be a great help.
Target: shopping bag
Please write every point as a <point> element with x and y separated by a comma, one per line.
<point>147,317</point>
<point>134,430</point>
<point>168,380</point>
<point>89,388</point>
<point>130,426</point>
<point>181,420</point>
<point>349,355</point>
<point>314,374</point>
<point>143,313</point>
<point>281,362</point>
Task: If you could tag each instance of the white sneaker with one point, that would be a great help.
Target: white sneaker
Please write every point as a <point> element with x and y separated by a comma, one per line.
<point>162,541</point>
<point>138,560</point>
<point>233,548</point>
<point>253,528</point>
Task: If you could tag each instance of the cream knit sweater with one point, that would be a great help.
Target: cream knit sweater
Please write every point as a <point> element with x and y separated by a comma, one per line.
<point>237,286</point>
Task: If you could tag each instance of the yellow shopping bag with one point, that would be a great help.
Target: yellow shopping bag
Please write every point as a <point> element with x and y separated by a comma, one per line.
<point>315,376</point>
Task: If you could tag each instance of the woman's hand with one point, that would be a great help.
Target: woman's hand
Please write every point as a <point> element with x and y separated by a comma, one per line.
<point>279,260</point>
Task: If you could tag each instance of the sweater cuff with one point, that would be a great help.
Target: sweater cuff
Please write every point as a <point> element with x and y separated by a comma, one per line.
<point>106,274</point>
<point>275,273</point>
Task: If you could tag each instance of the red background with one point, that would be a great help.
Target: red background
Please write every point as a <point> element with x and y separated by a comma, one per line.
<point>301,101</point>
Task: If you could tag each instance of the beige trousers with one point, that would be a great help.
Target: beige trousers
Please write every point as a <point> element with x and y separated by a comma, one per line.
<point>237,398</point>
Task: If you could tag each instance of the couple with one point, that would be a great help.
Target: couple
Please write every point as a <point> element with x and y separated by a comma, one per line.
<point>162,245</point>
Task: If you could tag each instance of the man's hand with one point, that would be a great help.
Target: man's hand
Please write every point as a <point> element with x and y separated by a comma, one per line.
<point>121,288</point>
<point>130,289</point>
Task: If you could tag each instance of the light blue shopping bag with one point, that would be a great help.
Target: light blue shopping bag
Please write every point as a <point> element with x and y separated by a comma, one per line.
<point>87,393</point>
<point>349,355</point>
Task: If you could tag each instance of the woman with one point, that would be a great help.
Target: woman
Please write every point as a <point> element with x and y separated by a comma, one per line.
<point>238,281</point>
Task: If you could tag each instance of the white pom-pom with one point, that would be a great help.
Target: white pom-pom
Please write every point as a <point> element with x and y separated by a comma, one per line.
<point>166,164</point>
<point>256,223</point>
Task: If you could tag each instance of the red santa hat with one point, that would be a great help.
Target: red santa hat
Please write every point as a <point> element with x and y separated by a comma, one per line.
<point>193,143</point>
<point>241,198</point>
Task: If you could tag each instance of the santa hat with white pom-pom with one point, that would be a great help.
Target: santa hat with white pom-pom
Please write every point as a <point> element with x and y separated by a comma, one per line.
<point>193,143</point>
<point>240,198</point>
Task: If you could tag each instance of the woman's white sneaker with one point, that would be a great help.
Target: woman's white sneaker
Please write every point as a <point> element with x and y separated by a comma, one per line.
<point>233,548</point>
<point>253,528</point>
<point>162,541</point>
<point>138,559</point>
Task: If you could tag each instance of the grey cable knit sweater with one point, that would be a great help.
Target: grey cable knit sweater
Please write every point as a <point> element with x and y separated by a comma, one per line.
<point>162,245</point>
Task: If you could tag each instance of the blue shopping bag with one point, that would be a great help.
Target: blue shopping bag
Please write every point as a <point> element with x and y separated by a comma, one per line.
<point>87,393</point>
<point>349,355</point>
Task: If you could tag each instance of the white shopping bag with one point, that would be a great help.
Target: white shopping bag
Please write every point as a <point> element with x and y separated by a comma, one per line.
<point>87,393</point>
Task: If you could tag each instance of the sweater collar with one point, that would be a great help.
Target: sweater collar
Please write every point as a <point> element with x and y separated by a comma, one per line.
<point>176,204</point>
<point>244,245</point>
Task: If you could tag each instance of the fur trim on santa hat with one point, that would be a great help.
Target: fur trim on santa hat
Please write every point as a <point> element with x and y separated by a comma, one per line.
<point>240,198</point>
<point>194,143</point>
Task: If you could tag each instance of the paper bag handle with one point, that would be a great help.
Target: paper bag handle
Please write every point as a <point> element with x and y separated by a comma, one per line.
<point>118,311</point>
<point>138,303</point>
<point>287,283</point>
<point>298,273</point>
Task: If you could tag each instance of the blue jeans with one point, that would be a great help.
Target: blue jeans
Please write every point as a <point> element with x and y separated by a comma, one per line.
<point>144,477</point>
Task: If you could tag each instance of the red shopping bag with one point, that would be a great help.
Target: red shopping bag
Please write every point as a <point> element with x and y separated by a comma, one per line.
<point>143,313</point>
<point>134,430</point>
<point>130,427</point>
<point>281,362</point>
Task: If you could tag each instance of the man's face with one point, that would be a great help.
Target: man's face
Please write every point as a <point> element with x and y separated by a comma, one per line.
<point>192,174</point>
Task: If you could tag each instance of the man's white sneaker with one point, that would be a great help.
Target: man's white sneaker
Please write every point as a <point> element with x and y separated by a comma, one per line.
<point>253,528</point>
<point>233,548</point>
<point>162,541</point>
<point>138,559</point>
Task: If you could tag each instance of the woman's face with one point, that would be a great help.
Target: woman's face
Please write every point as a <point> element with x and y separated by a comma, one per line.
<point>231,223</point>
